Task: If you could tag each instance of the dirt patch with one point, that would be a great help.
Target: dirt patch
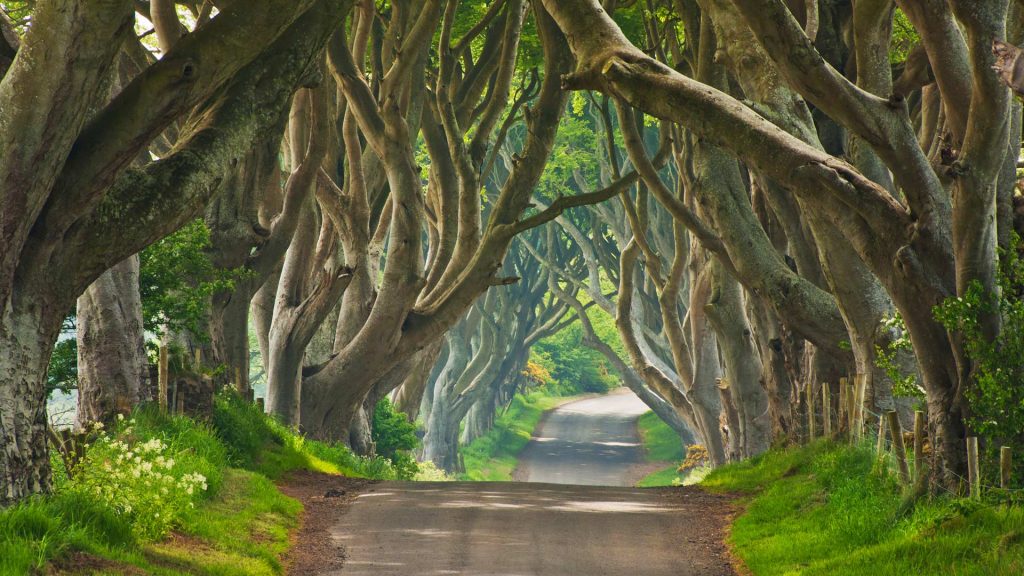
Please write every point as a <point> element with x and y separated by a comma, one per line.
<point>82,563</point>
<point>324,498</point>
<point>713,515</point>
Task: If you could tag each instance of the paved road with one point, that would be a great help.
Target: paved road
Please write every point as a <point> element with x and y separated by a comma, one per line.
<point>540,529</point>
<point>522,529</point>
<point>589,442</point>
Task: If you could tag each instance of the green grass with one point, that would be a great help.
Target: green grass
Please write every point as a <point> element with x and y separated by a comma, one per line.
<point>833,510</point>
<point>493,456</point>
<point>661,444</point>
<point>665,477</point>
<point>239,526</point>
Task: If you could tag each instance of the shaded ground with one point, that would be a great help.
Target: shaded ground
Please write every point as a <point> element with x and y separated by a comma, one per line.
<point>589,442</point>
<point>324,498</point>
<point>512,529</point>
<point>559,522</point>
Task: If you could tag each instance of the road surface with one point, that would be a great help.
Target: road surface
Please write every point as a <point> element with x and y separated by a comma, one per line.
<point>526,529</point>
<point>589,442</point>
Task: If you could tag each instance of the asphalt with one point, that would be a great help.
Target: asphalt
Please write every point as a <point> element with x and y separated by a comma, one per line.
<point>590,442</point>
<point>524,529</point>
<point>531,528</point>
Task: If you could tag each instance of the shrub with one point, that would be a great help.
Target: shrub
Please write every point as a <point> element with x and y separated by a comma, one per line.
<point>143,480</point>
<point>392,432</point>
<point>996,396</point>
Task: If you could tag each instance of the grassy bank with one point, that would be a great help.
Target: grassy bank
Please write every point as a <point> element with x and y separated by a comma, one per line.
<point>165,495</point>
<point>493,456</point>
<point>833,510</point>
<point>661,444</point>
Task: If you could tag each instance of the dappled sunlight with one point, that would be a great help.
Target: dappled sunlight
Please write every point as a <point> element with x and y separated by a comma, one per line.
<point>491,529</point>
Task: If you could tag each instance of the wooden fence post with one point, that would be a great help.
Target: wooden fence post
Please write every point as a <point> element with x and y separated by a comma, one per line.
<point>261,404</point>
<point>826,410</point>
<point>918,445</point>
<point>880,447</point>
<point>896,431</point>
<point>811,432</point>
<point>860,390</point>
<point>162,377</point>
<point>1005,464</point>
<point>844,404</point>
<point>973,474</point>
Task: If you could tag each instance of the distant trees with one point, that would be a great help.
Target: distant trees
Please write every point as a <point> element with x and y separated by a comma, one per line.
<point>903,185</point>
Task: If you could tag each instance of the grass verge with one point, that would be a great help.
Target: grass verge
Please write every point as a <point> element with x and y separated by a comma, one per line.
<point>661,444</point>
<point>836,511</point>
<point>493,456</point>
<point>165,495</point>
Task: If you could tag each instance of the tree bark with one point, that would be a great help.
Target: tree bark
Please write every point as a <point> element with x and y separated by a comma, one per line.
<point>113,369</point>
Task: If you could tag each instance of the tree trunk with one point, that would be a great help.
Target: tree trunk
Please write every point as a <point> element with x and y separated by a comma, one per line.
<point>24,355</point>
<point>112,364</point>
<point>742,365</point>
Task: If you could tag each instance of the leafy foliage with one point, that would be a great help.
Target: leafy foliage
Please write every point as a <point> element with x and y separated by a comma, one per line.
<point>177,280</point>
<point>573,367</point>
<point>62,374</point>
<point>886,358</point>
<point>395,438</point>
<point>997,395</point>
<point>904,37</point>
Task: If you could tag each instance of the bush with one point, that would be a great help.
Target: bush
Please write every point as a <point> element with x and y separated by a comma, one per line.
<point>392,432</point>
<point>996,396</point>
<point>147,481</point>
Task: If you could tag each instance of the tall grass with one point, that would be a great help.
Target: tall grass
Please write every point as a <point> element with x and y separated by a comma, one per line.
<point>110,506</point>
<point>835,511</point>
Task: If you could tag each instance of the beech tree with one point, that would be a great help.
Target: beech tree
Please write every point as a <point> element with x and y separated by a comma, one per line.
<point>926,235</point>
<point>73,204</point>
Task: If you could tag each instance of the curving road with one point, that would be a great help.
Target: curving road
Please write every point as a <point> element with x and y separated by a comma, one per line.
<point>528,528</point>
<point>590,442</point>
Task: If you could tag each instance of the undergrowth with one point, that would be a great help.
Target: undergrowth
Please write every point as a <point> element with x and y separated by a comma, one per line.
<point>170,495</point>
<point>835,511</point>
<point>493,456</point>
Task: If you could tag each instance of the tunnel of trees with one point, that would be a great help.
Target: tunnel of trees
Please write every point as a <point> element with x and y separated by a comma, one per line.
<point>717,203</point>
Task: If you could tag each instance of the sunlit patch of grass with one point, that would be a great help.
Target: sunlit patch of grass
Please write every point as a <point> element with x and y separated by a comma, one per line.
<point>661,443</point>
<point>833,511</point>
<point>240,525</point>
<point>493,456</point>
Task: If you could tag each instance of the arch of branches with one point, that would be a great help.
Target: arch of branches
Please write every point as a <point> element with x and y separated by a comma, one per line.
<point>409,195</point>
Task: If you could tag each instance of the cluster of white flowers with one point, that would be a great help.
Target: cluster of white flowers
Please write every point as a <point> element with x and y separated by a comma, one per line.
<point>192,482</point>
<point>140,479</point>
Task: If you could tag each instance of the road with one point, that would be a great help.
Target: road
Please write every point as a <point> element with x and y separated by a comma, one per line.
<point>528,529</point>
<point>590,442</point>
<point>525,529</point>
